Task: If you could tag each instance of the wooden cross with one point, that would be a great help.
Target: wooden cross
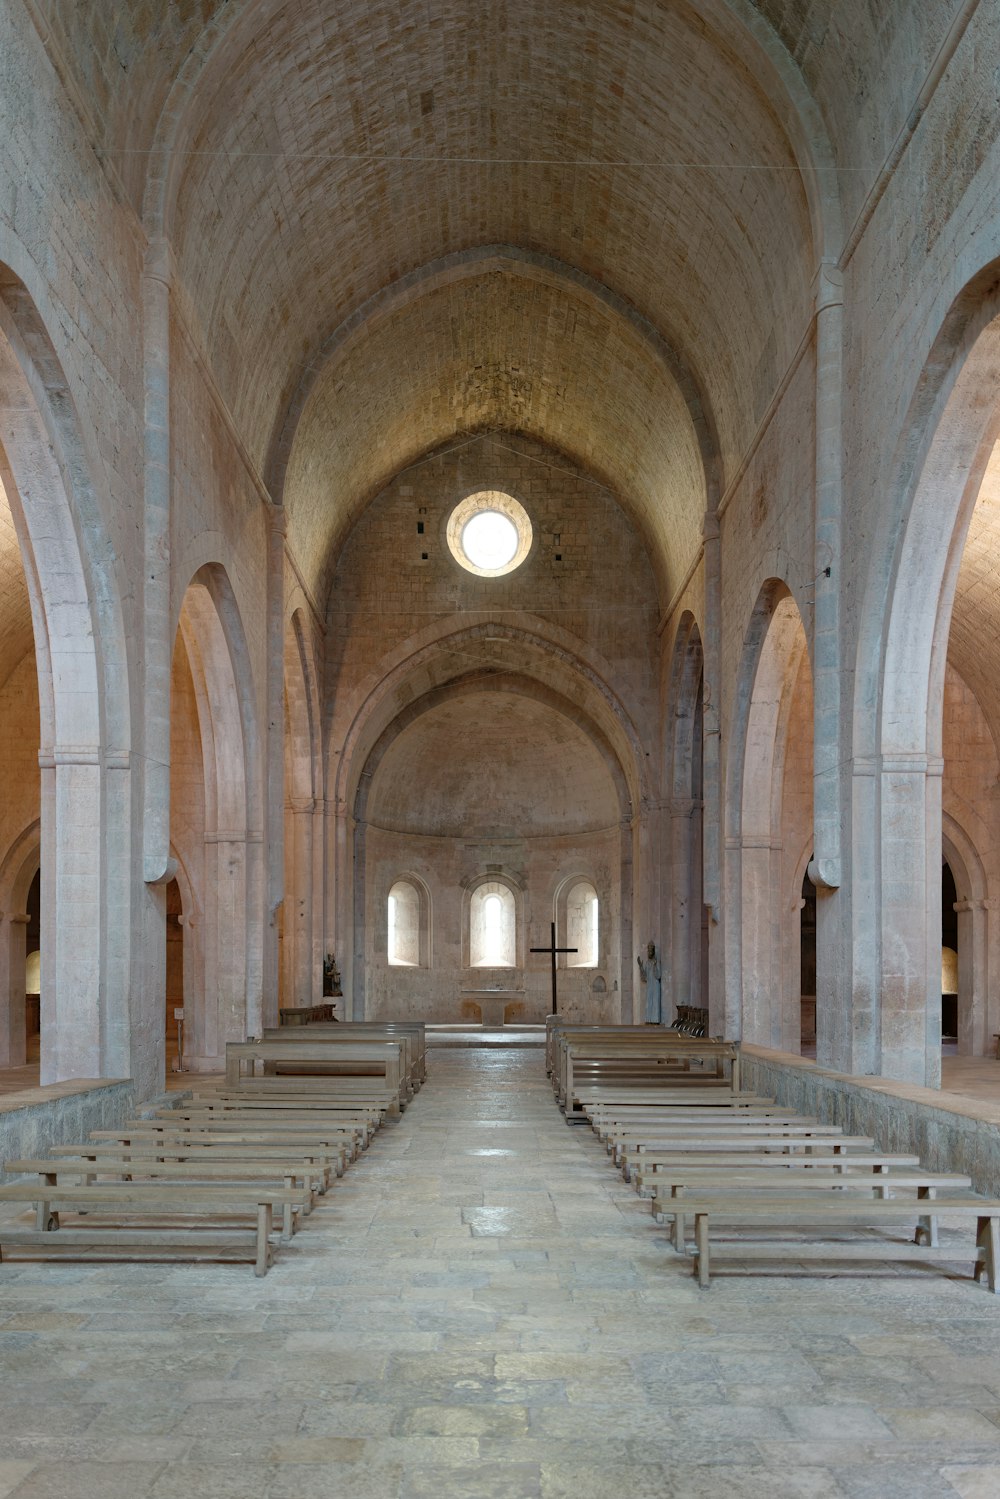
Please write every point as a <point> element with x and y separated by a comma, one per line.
<point>553,950</point>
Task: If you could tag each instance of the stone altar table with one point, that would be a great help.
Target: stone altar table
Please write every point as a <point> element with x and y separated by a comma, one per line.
<point>492,1002</point>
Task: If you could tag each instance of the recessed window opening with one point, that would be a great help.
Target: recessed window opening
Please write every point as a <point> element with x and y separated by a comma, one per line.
<point>404,926</point>
<point>583,926</point>
<point>492,926</point>
<point>489,533</point>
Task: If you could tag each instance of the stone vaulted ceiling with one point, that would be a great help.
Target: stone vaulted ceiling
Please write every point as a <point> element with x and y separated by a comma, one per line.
<point>315,164</point>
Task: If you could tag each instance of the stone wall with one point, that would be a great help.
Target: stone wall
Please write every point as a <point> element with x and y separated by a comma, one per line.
<point>62,1113</point>
<point>948,1133</point>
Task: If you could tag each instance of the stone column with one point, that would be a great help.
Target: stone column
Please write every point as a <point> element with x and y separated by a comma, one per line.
<point>760,950</point>
<point>299,903</point>
<point>910,937</point>
<point>274,813</point>
<point>73,880</point>
<point>627,841</point>
<point>723,1017</point>
<point>975,1038</point>
<point>359,926</point>
<point>685,905</point>
<point>157,641</point>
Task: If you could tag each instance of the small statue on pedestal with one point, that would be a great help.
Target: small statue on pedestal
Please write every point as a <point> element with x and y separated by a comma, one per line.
<point>651,973</point>
<point>331,977</point>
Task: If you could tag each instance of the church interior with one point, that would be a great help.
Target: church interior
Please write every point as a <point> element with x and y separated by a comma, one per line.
<point>499,500</point>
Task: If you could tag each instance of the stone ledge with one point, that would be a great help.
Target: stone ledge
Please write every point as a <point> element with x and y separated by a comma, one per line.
<point>60,1113</point>
<point>947,1130</point>
<point>28,1098</point>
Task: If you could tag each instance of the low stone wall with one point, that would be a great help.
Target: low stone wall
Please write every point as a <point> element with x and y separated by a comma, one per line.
<point>60,1113</point>
<point>948,1132</point>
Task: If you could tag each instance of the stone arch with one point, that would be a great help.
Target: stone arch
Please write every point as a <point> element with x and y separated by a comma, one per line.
<point>763,896</point>
<point>89,1020</point>
<point>227,1002</point>
<point>947,437</point>
<point>687,974</point>
<point>397,704</point>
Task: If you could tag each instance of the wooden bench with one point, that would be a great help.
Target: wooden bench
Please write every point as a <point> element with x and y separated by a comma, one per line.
<point>87,1169</point>
<point>347,1125</point>
<point>413,1031</point>
<point>614,1123</point>
<point>803,1139</point>
<point>580,1057</point>
<point>357,1060</point>
<point>653,1173</point>
<point>319,1161</point>
<point>337,1037</point>
<point>709,1184</point>
<point>129,1200</point>
<point>289,1140</point>
<point>337,1093</point>
<point>838,1212</point>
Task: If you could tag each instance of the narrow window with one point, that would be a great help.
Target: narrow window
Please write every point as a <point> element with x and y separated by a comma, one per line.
<point>404,925</point>
<point>583,926</point>
<point>492,927</point>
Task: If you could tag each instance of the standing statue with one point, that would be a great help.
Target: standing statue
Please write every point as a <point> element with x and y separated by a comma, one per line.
<point>331,977</point>
<point>651,973</point>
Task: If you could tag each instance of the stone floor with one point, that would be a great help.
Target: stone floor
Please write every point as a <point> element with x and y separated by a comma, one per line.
<point>482,1308</point>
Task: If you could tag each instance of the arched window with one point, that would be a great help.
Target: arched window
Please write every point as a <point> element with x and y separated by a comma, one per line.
<point>492,926</point>
<point>582,926</point>
<point>404,925</point>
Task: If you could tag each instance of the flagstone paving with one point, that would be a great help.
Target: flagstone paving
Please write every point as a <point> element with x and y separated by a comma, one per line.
<point>482,1308</point>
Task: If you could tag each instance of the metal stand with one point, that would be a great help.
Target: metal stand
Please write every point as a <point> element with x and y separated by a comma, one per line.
<point>179,1059</point>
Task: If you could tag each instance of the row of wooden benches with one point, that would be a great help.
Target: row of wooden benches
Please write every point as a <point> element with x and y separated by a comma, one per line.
<point>581,1057</point>
<point>711,1155</point>
<point>209,1177</point>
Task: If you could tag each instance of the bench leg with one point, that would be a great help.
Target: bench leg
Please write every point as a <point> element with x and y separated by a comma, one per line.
<point>988,1240</point>
<point>46,1222</point>
<point>701,1240</point>
<point>264,1225</point>
<point>927,1228</point>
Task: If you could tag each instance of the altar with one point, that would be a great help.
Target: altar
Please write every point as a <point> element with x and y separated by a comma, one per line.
<point>493,1002</point>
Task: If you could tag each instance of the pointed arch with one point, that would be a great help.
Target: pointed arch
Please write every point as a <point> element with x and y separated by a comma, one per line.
<point>227,995</point>
<point>91,1013</point>
<point>769,793</point>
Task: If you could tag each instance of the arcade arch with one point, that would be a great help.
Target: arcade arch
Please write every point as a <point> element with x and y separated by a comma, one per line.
<point>938,711</point>
<point>769,832</point>
<point>215,820</point>
<point>74,695</point>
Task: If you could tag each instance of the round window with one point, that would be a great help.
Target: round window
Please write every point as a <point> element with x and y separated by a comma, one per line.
<point>489,533</point>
